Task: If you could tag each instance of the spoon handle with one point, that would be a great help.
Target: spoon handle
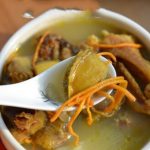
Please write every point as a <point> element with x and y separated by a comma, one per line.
<point>25,95</point>
<point>19,95</point>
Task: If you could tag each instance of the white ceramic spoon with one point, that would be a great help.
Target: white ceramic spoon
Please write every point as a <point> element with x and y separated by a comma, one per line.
<point>43,91</point>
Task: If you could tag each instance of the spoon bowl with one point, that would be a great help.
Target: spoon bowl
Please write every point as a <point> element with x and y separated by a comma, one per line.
<point>44,91</point>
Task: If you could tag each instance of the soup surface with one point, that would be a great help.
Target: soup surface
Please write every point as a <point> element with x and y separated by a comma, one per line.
<point>126,130</point>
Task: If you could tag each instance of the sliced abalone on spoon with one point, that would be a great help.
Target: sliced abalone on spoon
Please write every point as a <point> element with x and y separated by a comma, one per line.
<point>86,70</point>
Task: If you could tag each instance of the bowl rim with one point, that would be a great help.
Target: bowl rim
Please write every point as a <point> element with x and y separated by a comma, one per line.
<point>9,141</point>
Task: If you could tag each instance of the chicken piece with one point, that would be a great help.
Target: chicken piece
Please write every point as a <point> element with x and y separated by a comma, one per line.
<point>25,124</point>
<point>133,85</point>
<point>18,69</point>
<point>30,123</point>
<point>142,104</point>
<point>130,56</point>
<point>50,137</point>
<point>35,128</point>
<point>135,67</point>
<point>9,114</point>
<point>21,136</point>
<point>53,135</point>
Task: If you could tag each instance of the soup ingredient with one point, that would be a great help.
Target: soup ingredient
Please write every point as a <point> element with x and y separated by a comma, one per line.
<point>95,42</point>
<point>106,46</point>
<point>142,104</point>
<point>86,70</point>
<point>30,123</point>
<point>27,124</point>
<point>84,98</point>
<point>18,69</point>
<point>108,55</point>
<point>52,47</point>
<point>132,82</point>
<point>52,136</point>
<point>43,65</point>
<point>21,136</point>
<point>129,55</point>
<point>36,129</point>
<point>141,67</point>
<point>126,50</point>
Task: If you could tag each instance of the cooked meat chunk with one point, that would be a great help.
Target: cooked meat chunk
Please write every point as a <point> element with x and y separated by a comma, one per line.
<point>21,136</point>
<point>142,104</point>
<point>18,69</point>
<point>49,48</point>
<point>134,67</point>
<point>52,47</point>
<point>30,123</point>
<point>133,84</point>
<point>111,38</point>
<point>52,136</point>
<point>130,56</point>
<point>36,127</point>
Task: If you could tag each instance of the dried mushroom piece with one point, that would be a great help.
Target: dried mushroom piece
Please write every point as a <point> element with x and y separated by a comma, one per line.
<point>51,47</point>
<point>87,70</point>
<point>18,69</point>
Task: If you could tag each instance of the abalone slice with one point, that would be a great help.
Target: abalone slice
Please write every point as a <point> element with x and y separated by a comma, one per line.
<point>87,70</point>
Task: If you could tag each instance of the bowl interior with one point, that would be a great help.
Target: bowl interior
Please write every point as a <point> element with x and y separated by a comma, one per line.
<point>108,20</point>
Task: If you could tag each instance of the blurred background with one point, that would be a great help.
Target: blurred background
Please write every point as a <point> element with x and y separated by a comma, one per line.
<point>15,13</point>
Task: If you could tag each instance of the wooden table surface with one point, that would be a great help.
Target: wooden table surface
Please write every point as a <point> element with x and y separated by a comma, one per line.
<point>11,12</point>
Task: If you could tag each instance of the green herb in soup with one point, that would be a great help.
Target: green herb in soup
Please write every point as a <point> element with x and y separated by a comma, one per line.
<point>122,130</point>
